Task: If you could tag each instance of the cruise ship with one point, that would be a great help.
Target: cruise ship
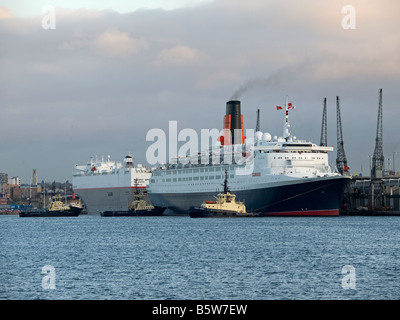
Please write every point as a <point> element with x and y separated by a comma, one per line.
<point>280,176</point>
<point>105,185</point>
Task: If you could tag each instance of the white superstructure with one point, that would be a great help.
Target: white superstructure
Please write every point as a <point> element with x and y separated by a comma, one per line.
<point>271,161</point>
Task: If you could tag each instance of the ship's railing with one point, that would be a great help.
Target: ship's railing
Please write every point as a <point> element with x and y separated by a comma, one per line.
<point>107,171</point>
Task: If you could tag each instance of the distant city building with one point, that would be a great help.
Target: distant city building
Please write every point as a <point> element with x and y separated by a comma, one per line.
<point>3,178</point>
<point>15,181</point>
<point>24,192</point>
<point>3,199</point>
<point>34,177</point>
<point>3,183</point>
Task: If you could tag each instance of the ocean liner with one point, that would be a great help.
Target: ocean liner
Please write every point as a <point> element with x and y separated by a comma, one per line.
<point>273,176</point>
<point>105,185</point>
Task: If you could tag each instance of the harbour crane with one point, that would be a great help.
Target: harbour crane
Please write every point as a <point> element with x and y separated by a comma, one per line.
<point>341,160</point>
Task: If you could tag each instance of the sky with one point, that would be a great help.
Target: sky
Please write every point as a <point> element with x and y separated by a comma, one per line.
<point>105,73</point>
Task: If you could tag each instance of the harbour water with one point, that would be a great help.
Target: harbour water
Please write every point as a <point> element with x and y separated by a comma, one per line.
<point>147,258</point>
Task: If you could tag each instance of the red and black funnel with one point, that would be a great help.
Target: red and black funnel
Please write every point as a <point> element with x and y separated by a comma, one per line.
<point>233,119</point>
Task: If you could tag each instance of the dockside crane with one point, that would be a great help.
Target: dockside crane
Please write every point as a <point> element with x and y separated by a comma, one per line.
<point>341,160</point>
<point>378,158</point>
<point>324,135</point>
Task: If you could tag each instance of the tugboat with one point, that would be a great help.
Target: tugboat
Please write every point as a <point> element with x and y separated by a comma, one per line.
<point>56,208</point>
<point>225,206</point>
<point>138,208</point>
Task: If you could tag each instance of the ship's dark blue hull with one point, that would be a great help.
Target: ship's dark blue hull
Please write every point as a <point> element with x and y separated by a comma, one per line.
<point>73,212</point>
<point>316,197</point>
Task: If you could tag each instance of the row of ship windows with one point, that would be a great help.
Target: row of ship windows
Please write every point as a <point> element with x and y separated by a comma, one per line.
<point>218,177</point>
<point>185,171</point>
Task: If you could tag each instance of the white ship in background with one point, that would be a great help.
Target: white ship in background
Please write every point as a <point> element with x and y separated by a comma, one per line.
<point>109,185</point>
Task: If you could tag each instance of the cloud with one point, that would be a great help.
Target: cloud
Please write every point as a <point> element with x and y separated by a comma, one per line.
<point>110,44</point>
<point>82,13</point>
<point>219,78</point>
<point>47,68</point>
<point>117,44</point>
<point>179,55</point>
<point>5,13</point>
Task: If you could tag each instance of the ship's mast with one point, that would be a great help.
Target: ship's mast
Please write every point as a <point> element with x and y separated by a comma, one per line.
<point>258,121</point>
<point>286,124</point>
<point>226,189</point>
<point>136,184</point>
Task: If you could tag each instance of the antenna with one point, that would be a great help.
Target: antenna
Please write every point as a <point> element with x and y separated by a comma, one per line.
<point>258,121</point>
<point>226,188</point>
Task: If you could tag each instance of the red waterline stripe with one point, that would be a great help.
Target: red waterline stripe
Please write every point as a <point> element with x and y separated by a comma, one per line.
<point>110,188</point>
<point>332,212</point>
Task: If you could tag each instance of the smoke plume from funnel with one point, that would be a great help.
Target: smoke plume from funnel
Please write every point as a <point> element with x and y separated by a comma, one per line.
<point>258,82</point>
<point>286,73</point>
